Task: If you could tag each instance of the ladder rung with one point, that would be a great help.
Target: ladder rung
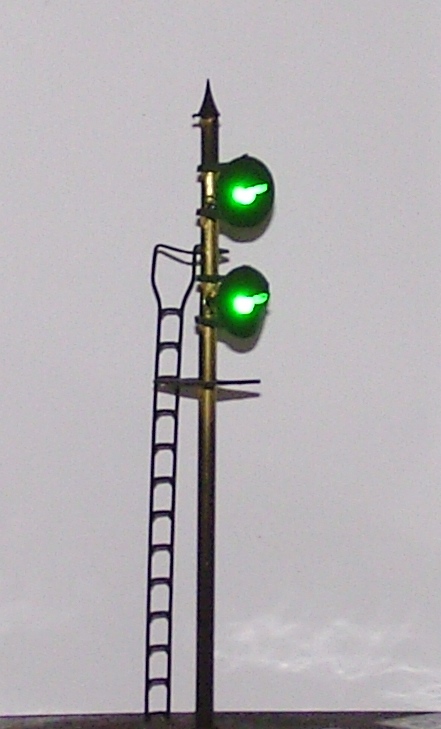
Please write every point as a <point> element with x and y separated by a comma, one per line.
<point>168,344</point>
<point>164,447</point>
<point>160,581</point>
<point>158,480</point>
<point>170,310</point>
<point>158,682</point>
<point>156,614</point>
<point>157,647</point>
<point>162,513</point>
<point>162,547</point>
<point>165,412</point>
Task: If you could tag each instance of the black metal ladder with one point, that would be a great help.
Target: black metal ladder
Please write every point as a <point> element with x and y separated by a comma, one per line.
<point>162,502</point>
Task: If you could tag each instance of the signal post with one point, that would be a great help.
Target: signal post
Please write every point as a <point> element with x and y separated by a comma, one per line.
<point>240,194</point>
<point>209,256</point>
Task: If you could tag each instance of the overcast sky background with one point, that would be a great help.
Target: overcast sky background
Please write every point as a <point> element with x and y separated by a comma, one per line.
<point>328,592</point>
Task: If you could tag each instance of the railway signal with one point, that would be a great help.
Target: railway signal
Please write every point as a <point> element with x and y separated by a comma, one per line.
<point>241,302</point>
<point>245,192</point>
<point>237,199</point>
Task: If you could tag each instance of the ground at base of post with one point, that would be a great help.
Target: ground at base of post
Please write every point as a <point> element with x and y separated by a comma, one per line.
<point>234,720</point>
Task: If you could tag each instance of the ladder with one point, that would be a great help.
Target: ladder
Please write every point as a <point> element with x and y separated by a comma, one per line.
<point>162,503</point>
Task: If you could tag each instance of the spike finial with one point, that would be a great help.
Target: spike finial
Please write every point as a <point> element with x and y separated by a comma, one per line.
<point>208,109</point>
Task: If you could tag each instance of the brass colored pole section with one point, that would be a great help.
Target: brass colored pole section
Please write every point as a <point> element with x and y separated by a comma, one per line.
<point>207,423</point>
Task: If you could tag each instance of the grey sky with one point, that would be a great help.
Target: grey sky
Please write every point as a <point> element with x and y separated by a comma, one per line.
<point>328,499</point>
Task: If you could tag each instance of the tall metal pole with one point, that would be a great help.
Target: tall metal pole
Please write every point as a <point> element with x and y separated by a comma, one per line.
<point>207,419</point>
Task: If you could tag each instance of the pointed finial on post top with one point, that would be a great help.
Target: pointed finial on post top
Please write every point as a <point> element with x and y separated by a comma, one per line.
<point>208,109</point>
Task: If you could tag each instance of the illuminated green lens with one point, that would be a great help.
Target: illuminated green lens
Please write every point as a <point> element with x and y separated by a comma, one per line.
<point>247,195</point>
<point>244,197</point>
<point>241,301</point>
<point>243,304</point>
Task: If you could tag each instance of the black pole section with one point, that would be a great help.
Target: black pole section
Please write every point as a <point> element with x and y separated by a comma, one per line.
<point>207,411</point>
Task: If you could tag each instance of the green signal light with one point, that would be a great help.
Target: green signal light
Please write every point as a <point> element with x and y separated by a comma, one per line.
<point>244,305</point>
<point>241,302</point>
<point>247,195</point>
<point>244,197</point>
